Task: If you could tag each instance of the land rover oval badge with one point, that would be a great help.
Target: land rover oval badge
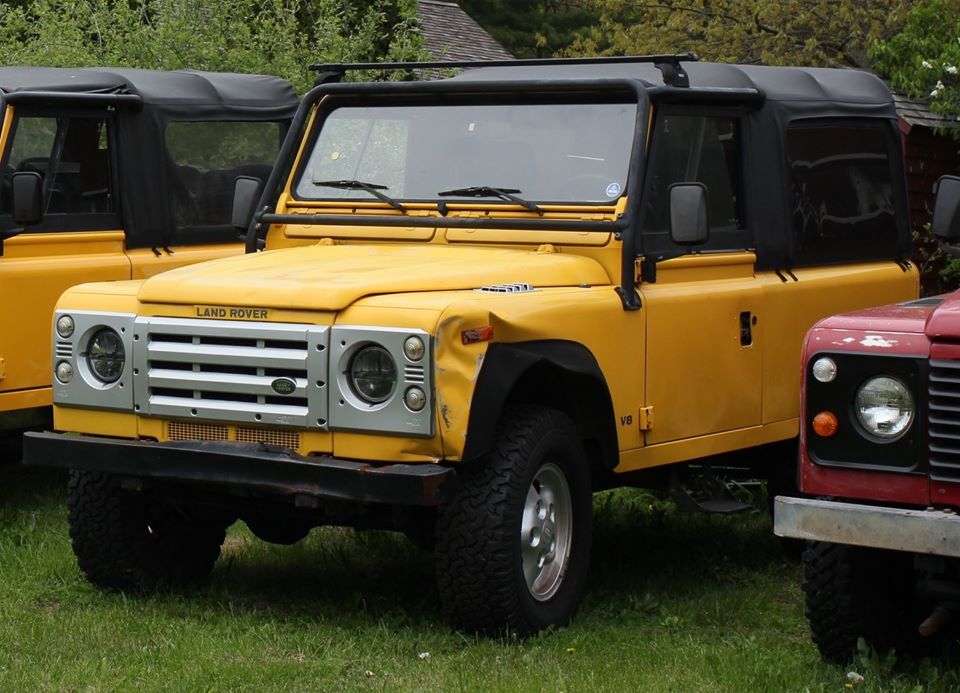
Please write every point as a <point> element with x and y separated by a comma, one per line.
<point>284,386</point>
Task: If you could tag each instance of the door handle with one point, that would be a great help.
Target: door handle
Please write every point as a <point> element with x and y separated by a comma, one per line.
<point>747,321</point>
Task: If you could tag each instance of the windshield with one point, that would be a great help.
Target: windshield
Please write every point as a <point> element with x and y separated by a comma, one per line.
<point>542,152</point>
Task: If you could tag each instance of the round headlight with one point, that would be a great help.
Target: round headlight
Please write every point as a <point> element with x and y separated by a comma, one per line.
<point>65,326</point>
<point>884,407</point>
<point>824,370</point>
<point>373,374</point>
<point>105,355</point>
<point>64,372</point>
<point>413,348</point>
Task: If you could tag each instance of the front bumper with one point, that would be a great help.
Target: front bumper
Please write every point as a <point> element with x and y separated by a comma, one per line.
<point>935,532</point>
<point>244,467</point>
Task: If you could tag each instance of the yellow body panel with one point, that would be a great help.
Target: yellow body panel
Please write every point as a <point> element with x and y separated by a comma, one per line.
<point>792,307</point>
<point>331,277</point>
<point>146,263</point>
<point>102,423</point>
<point>700,378</point>
<point>37,268</point>
<point>34,270</point>
<point>680,354</point>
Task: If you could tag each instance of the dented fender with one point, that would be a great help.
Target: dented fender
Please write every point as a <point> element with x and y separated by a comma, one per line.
<point>457,370</point>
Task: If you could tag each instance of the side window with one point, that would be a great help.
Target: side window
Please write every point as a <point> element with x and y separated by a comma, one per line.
<point>72,155</point>
<point>203,161</point>
<point>704,149</point>
<point>842,192</point>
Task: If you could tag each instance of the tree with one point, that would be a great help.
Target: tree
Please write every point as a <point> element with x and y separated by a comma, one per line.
<point>280,37</point>
<point>773,32</point>
<point>533,28</point>
<point>924,57</point>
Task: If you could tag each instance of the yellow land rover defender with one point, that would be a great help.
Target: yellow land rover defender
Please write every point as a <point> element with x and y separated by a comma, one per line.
<point>115,174</point>
<point>478,300</point>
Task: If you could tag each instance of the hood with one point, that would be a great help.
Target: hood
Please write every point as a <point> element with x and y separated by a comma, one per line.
<point>331,277</point>
<point>908,317</point>
<point>944,321</point>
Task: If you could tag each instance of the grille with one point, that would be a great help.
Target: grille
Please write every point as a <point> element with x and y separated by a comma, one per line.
<point>944,420</point>
<point>184,430</point>
<point>63,350</point>
<point>514,288</point>
<point>287,439</point>
<point>231,371</point>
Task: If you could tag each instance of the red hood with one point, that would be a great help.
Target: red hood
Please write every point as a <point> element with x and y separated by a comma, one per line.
<point>944,321</point>
<point>909,317</point>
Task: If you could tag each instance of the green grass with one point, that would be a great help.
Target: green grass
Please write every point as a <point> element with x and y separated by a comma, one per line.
<point>675,603</point>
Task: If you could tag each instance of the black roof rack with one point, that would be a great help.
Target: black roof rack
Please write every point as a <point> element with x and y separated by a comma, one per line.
<point>669,64</point>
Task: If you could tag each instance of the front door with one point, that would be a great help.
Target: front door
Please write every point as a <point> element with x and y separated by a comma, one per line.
<point>79,240</point>
<point>704,311</point>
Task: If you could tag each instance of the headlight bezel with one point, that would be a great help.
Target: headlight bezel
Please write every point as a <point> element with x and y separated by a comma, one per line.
<point>851,446</point>
<point>349,411</point>
<point>84,389</point>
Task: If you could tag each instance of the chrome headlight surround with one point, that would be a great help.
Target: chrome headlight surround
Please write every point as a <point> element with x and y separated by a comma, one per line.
<point>387,413</point>
<point>85,388</point>
<point>884,408</point>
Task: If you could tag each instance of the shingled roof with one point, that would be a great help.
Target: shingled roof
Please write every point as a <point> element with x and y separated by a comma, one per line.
<point>451,34</point>
<point>917,113</point>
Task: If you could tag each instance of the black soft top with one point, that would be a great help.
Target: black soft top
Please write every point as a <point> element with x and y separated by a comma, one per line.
<point>141,104</point>
<point>154,88</point>
<point>774,83</point>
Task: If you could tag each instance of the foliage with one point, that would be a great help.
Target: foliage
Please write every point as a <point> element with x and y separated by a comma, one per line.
<point>772,32</point>
<point>533,28</point>
<point>279,37</point>
<point>924,57</point>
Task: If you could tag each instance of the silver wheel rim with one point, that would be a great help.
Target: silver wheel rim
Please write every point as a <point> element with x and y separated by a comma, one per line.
<point>546,532</point>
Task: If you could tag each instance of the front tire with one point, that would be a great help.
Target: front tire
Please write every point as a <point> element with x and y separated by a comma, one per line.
<point>513,546</point>
<point>853,592</point>
<point>125,541</point>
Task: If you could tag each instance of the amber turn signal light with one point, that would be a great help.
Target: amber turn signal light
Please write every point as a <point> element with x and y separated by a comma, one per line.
<point>825,424</point>
<point>477,334</point>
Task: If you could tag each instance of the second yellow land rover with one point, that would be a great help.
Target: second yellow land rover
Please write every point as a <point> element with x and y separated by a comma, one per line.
<point>478,300</point>
<point>115,173</point>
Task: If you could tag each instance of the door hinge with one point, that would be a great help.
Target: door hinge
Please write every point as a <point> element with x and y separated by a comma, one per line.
<point>646,418</point>
<point>3,368</point>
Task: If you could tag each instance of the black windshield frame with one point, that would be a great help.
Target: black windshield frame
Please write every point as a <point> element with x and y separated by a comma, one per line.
<point>298,187</point>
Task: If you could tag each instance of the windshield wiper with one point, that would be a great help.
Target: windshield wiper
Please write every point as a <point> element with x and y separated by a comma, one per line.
<point>487,191</point>
<point>372,188</point>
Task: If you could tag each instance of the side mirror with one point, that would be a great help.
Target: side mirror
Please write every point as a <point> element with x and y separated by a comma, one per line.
<point>27,194</point>
<point>946,210</point>
<point>689,215</point>
<point>246,194</point>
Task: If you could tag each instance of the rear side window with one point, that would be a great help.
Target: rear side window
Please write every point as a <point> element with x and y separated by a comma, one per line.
<point>841,179</point>
<point>205,158</point>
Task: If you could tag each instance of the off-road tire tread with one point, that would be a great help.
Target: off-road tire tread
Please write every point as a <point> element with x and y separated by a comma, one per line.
<point>108,531</point>
<point>853,592</point>
<point>475,547</point>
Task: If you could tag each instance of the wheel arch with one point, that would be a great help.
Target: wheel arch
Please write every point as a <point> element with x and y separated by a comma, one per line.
<point>544,372</point>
